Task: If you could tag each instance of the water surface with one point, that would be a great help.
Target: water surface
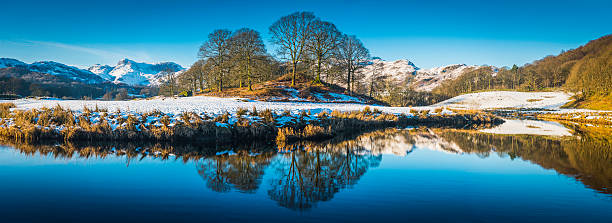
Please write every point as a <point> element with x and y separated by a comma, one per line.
<point>422,175</point>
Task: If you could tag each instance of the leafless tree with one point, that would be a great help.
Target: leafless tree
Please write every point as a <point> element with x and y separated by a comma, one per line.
<point>291,34</point>
<point>217,51</point>
<point>352,55</point>
<point>246,47</point>
<point>324,39</point>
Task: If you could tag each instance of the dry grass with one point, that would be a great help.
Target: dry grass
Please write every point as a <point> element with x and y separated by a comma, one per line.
<point>5,109</point>
<point>59,123</point>
<point>600,118</point>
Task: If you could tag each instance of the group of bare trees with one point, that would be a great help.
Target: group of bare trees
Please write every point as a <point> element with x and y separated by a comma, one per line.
<point>301,37</point>
<point>226,59</point>
<point>307,46</point>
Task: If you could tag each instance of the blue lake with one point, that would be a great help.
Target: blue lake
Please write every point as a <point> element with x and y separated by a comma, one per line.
<point>421,175</point>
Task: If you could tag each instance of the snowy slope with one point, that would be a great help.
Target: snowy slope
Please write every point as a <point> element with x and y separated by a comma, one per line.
<point>428,79</point>
<point>405,73</point>
<point>399,72</point>
<point>134,73</point>
<point>508,99</point>
<point>56,69</point>
<point>103,71</point>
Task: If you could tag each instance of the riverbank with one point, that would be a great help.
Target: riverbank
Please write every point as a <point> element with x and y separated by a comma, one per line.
<point>90,124</point>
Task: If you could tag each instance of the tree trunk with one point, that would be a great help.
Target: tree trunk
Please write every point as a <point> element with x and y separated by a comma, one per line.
<point>348,81</point>
<point>293,75</point>
<point>249,72</point>
<point>318,76</point>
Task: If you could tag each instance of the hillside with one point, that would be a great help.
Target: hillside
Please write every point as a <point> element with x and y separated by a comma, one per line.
<point>49,78</point>
<point>405,73</point>
<point>133,73</point>
<point>279,90</point>
<point>21,81</point>
<point>586,71</point>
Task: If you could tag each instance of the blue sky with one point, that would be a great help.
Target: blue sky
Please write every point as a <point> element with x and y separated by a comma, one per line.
<point>430,33</point>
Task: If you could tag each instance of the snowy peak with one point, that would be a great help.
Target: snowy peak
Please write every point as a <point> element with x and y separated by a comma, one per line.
<point>102,71</point>
<point>399,71</point>
<point>405,73</point>
<point>428,79</point>
<point>135,73</point>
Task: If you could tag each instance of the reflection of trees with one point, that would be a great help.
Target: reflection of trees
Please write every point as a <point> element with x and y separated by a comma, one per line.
<point>587,158</point>
<point>243,171</point>
<point>304,177</point>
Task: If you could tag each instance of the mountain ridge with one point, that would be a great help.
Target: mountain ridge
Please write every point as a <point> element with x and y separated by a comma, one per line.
<point>128,72</point>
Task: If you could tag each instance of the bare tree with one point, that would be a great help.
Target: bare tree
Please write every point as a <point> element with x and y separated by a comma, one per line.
<point>352,55</point>
<point>217,50</point>
<point>291,33</point>
<point>169,81</point>
<point>247,46</point>
<point>324,39</point>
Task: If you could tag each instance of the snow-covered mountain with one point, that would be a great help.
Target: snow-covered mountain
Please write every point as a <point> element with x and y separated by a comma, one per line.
<point>400,72</point>
<point>125,72</point>
<point>428,79</point>
<point>134,73</point>
<point>54,68</point>
<point>405,73</point>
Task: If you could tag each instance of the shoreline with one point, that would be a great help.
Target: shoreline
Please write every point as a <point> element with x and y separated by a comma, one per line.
<point>92,124</point>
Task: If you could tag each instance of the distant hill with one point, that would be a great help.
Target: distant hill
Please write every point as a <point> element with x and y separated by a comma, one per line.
<point>55,69</point>
<point>48,78</point>
<point>134,73</point>
<point>405,73</point>
<point>126,71</point>
<point>23,81</point>
<point>586,71</point>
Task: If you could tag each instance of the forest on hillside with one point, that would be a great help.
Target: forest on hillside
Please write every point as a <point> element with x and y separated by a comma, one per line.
<point>586,71</point>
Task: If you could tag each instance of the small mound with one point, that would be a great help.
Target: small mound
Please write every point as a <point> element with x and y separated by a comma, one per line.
<point>303,91</point>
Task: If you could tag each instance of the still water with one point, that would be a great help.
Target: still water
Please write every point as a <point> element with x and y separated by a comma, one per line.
<point>417,175</point>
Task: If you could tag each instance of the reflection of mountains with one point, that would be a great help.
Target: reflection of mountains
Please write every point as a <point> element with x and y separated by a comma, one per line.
<point>300,176</point>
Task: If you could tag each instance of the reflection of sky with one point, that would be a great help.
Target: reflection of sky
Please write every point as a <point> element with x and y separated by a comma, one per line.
<point>425,185</point>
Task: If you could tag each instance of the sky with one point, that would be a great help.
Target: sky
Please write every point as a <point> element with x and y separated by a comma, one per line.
<point>428,33</point>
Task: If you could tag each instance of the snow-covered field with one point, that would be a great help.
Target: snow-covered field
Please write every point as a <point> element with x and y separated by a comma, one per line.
<point>214,105</point>
<point>508,99</point>
<point>200,104</point>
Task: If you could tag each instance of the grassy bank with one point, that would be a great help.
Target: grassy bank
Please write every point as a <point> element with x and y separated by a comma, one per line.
<point>595,102</point>
<point>95,124</point>
<point>597,118</point>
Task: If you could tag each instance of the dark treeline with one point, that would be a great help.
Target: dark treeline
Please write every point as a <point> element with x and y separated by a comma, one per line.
<point>586,70</point>
<point>310,50</point>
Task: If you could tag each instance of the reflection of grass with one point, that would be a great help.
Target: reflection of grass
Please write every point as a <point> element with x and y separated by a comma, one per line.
<point>534,100</point>
<point>532,126</point>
